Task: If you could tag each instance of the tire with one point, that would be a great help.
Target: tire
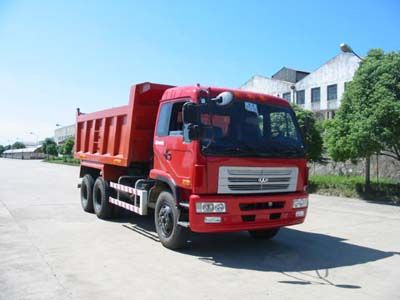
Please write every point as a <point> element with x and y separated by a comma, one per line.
<point>265,234</point>
<point>172,235</point>
<point>101,192</point>
<point>87,193</point>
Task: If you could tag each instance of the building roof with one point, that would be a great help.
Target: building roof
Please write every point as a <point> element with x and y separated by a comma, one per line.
<point>291,75</point>
<point>290,69</point>
<point>23,150</point>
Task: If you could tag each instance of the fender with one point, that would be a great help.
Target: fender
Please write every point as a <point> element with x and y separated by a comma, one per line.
<point>165,178</point>
<point>91,168</point>
<point>108,172</point>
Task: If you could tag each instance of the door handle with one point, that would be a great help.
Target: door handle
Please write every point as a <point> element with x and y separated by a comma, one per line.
<point>167,155</point>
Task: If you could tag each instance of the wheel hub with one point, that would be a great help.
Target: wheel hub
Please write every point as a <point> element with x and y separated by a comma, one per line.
<point>166,220</point>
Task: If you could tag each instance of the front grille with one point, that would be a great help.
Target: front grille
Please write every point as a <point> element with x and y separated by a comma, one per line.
<point>261,205</point>
<point>257,180</point>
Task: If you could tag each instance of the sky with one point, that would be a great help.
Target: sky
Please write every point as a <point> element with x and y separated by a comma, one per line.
<point>56,56</point>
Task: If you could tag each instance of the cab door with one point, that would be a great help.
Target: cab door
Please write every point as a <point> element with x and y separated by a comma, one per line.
<point>171,154</point>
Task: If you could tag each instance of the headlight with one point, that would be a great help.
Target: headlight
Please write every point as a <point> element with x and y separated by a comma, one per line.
<point>210,207</point>
<point>301,202</point>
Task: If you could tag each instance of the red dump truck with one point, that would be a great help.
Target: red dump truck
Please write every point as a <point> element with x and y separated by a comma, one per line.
<point>199,158</point>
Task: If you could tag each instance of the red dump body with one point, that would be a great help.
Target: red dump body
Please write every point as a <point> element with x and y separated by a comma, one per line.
<point>122,135</point>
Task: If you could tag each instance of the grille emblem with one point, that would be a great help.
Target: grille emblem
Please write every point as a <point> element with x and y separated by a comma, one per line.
<point>262,179</point>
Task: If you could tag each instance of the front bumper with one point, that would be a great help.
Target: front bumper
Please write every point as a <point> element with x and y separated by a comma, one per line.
<point>247,212</point>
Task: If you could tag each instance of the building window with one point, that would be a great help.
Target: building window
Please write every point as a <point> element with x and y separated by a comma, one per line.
<point>332,92</point>
<point>286,96</point>
<point>316,95</point>
<point>300,97</point>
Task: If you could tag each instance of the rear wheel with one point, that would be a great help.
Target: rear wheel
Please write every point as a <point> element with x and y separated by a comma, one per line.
<point>87,193</point>
<point>101,193</point>
<point>172,235</point>
<point>265,234</point>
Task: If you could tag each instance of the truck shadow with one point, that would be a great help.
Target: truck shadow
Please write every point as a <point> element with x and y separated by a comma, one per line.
<point>304,258</point>
<point>292,250</point>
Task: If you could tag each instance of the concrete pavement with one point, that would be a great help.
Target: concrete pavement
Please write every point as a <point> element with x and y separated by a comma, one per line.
<point>51,249</point>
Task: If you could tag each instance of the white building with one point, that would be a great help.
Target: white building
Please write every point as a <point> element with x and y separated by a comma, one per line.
<point>320,91</point>
<point>25,153</point>
<point>63,133</point>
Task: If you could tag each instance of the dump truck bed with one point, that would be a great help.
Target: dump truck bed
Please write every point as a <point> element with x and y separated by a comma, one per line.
<point>122,135</point>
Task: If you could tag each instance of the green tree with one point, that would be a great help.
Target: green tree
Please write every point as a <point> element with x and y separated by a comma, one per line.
<point>49,146</point>
<point>60,149</point>
<point>368,120</point>
<point>18,145</point>
<point>51,149</point>
<point>313,137</point>
<point>2,149</point>
<point>68,146</point>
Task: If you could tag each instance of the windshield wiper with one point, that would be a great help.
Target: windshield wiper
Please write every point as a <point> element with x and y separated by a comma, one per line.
<point>232,150</point>
<point>293,153</point>
<point>245,148</point>
<point>238,150</point>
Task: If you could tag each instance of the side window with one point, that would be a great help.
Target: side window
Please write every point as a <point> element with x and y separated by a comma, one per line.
<point>176,122</point>
<point>163,120</point>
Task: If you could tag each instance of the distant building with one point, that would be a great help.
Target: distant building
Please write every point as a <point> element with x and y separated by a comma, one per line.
<point>25,153</point>
<point>320,91</point>
<point>63,133</point>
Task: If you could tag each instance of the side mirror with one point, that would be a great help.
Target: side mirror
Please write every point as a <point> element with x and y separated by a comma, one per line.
<point>191,113</point>
<point>224,99</point>
<point>191,132</point>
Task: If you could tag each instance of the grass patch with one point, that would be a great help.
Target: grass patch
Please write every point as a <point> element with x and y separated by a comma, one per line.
<point>353,186</point>
<point>65,160</point>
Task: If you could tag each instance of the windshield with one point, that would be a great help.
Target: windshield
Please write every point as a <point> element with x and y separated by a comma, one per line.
<point>247,128</point>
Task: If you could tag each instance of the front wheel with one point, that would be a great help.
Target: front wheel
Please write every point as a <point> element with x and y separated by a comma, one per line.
<point>172,235</point>
<point>265,234</point>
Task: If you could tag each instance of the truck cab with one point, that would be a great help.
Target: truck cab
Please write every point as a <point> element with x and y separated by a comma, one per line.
<point>220,160</point>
